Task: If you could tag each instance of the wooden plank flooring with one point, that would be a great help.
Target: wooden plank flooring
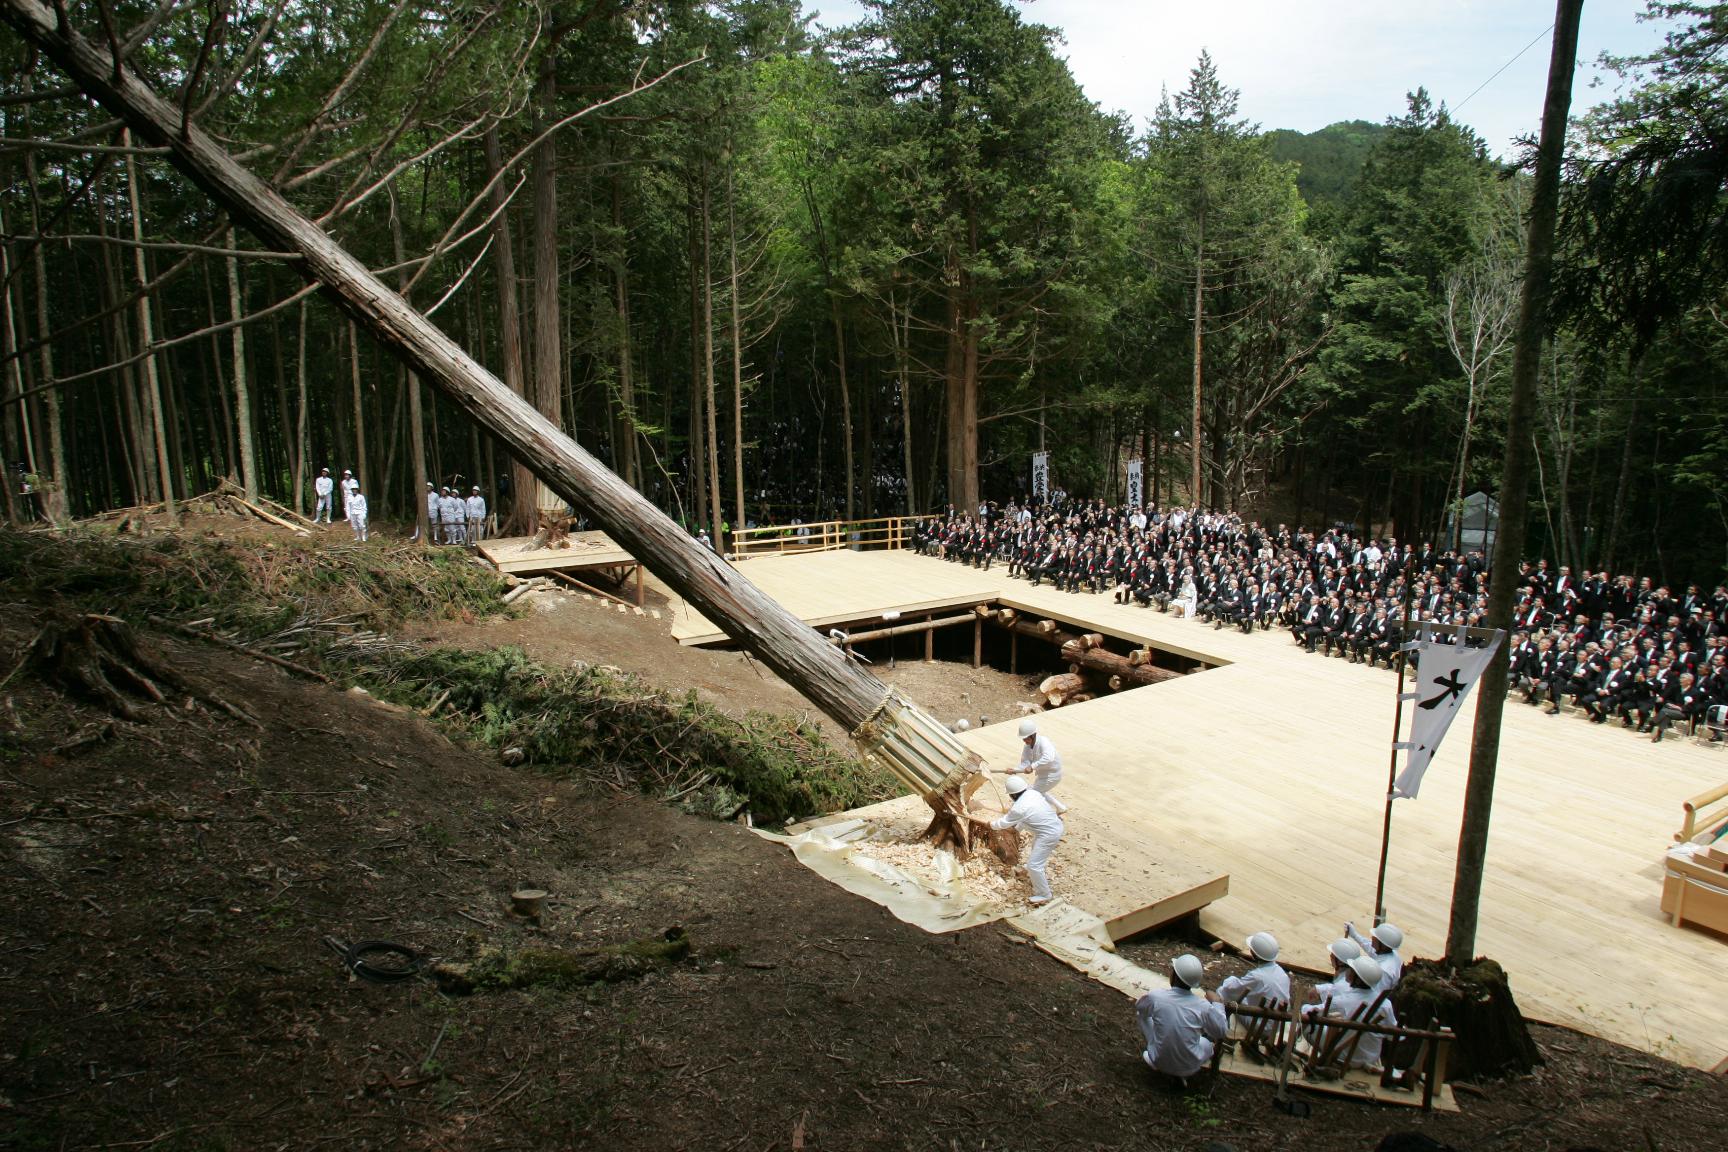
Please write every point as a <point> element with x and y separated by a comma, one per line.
<point>587,550</point>
<point>1272,770</point>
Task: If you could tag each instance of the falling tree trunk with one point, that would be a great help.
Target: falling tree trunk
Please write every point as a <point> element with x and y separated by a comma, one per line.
<point>146,336</point>
<point>918,749</point>
<point>242,394</point>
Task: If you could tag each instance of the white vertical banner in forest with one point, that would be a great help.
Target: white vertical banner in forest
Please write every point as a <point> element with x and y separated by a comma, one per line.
<point>1041,477</point>
<point>1136,482</point>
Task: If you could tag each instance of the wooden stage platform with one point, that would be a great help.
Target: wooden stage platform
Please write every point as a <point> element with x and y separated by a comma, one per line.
<point>586,552</point>
<point>1270,768</point>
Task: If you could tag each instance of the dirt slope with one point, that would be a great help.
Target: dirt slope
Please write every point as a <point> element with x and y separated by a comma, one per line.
<point>164,895</point>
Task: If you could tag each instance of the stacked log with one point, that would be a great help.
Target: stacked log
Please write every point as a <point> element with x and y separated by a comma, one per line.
<point>1092,668</point>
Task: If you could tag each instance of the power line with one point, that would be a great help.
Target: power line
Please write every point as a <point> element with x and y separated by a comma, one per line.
<point>1503,67</point>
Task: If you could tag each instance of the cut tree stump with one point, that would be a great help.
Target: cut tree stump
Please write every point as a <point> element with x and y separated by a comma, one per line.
<point>1492,1038</point>
<point>101,658</point>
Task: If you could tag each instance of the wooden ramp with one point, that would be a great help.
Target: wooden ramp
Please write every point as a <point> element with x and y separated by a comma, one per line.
<point>842,587</point>
<point>585,552</point>
<point>1271,769</point>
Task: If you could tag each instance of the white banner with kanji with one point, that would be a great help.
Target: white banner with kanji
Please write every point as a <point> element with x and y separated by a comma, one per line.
<point>1445,675</point>
<point>1136,482</point>
<point>1040,476</point>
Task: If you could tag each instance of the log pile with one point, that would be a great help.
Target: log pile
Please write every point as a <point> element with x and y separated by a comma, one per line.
<point>1092,668</point>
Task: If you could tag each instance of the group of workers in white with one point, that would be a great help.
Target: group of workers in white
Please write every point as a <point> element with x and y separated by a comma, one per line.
<point>454,520</point>
<point>353,501</point>
<point>1184,1023</point>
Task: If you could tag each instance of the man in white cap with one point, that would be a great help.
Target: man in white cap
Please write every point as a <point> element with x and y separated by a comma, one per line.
<point>350,486</point>
<point>1341,953</point>
<point>451,512</point>
<point>476,509</point>
<point>1182,1024</point>
<point>1039,759</point>
<point>1363,977</point>
<point>322,487</point>
<point>1265,983</point>
<point>357,514</point>
<point>431,513</point>
<point>1032,811</point>
<point>1382,944</point>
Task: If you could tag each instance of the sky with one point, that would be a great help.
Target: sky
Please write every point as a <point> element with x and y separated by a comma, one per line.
<point>1304,64</point>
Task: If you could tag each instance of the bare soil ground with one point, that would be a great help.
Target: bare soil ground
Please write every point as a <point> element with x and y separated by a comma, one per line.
<point>165,894</point>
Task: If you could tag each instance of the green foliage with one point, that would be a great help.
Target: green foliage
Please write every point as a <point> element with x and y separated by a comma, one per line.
<point>255,588</point>
<point>1329,161</point>
<point>602,724</point>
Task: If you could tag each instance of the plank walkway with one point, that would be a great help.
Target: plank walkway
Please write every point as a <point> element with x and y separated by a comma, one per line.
<point>1272,769</point>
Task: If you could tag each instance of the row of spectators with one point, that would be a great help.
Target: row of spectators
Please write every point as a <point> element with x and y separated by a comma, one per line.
<point>1620,647</point>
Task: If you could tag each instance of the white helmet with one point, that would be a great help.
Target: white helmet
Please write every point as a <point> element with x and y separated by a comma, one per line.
<point>1188,969</point>
<point>1016,785</point>
<point>1368,970</point>
<point>1263,945</point>
<point>1028,727</point>
<point>961,725</point>
<point>1344,950</point>
<point>1389,935</point>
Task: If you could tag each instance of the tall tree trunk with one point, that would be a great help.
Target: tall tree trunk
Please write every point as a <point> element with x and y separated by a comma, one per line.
<point>716,512</point>
<point>1623,488</point>
<point>902,330</point>
<point>300,421</point>
<point>738,520</point>
<point>696,448</point>
<point>520,521</point>
<point>14,409</point>
<point>1196,446</point>
<point>416,417</point>
<point>548,354</point>
<point>146,335</point>
<point>57,497</point>
<point>629,451</point>
<point>362,468</point>
<point>845,400</point>
<point>242,393</point>
<point>1514,485</point>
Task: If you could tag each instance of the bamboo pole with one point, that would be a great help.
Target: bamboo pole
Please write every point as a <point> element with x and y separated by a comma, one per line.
<point>920,751</point>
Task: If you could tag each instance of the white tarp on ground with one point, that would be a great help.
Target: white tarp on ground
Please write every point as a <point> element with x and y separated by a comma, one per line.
<point>1072,935</point>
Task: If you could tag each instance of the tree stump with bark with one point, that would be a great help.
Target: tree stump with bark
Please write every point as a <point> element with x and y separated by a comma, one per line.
<point>1476,1003</point>
<point>101,659</point>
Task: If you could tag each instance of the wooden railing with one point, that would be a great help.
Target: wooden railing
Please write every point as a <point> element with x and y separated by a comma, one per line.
<point>824,536</point>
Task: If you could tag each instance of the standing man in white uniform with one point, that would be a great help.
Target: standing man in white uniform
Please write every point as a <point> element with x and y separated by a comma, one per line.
<point>1032,811</point>
<point>322,487</point>
<point>476,507</point>
<point>1183,1023</point>
<point>357,514</point>
<point>1040,760</point>
<point>349,487</point>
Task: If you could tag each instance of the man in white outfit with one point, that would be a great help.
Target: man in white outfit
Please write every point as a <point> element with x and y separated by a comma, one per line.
<point>1032,811</point>
<point>1040,760</point>
<point>1265,983</point>
<point>476,508</point>
<point>1342,953</point>
<point>349,487</point>
<point>451,512</point>
<point>322,487</point>
<point>1182,1024</point>
<point>357,514</point>
<point>432,507</point>
<point>1364,977</point>
<point>1382,944</point>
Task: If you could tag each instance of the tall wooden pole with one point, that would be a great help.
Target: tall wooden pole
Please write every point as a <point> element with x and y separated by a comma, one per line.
<point>1514,485</point>
<point>914,746</point>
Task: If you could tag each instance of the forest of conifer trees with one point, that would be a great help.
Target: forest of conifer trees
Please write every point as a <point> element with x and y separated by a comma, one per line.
<point>768,270</point>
